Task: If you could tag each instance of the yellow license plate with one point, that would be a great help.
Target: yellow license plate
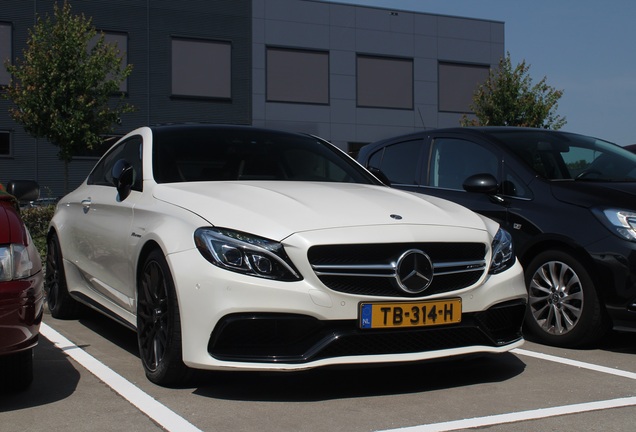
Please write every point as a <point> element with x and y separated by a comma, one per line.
<point>415,314</point>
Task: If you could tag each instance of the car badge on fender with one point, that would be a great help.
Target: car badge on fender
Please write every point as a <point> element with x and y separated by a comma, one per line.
<point>414,271</point>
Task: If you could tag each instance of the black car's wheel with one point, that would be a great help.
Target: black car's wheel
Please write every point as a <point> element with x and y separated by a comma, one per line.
<point>158,323</point>
<point>16,371</point>
<point>563,306</point>
<point>61,304</point>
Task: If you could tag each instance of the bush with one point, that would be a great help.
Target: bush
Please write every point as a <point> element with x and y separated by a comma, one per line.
<point>37,221</point>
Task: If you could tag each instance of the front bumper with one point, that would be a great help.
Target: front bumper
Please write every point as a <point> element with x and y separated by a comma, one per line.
<point>614,273</point>
<point>231,321</point>
<point>297,339</point>
<point>21,310</point>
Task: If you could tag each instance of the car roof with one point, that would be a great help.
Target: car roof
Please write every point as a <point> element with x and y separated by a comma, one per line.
<point>185,127</point>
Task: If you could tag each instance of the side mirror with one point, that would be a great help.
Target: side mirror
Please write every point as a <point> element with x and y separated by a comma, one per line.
<point>24,190</point>
<point>380,175</point>
<point>481,183</point>
<point>123,175</point>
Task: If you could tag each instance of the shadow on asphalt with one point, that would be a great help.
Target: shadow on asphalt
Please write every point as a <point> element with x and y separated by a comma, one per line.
<point>353,382</point>
<point>619,342</point>
<point>613,341</point>
<point>54,379</point>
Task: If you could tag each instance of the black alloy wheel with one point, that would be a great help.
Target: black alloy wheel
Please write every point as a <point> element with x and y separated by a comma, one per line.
<point>563,306</point>
<point>61,304</point>
<point>158,323</point>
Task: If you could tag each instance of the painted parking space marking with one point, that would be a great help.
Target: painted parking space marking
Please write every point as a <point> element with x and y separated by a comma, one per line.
<point>580,364</point>
<point>171,421</point>
<point>520,416</point>
<point>157,412</point>
<point>538,413</point>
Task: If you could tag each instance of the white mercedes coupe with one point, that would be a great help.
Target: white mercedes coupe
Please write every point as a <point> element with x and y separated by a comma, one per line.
<point>237,248</point>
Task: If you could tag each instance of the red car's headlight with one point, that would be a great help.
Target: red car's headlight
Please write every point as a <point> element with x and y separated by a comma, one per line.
<point>15,262</point>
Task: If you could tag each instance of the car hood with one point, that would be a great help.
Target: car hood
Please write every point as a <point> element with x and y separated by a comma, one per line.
<point>279,209</point>
<point>592,193</point>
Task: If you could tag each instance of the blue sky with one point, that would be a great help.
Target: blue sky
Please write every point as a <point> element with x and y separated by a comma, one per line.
<point>587,48</point>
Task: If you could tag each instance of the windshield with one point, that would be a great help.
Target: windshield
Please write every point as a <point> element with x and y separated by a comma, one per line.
<point>227,153</point>
<point>565,156</point>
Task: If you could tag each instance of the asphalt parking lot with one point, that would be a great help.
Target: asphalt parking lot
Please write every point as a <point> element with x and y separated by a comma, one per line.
<point>88,377</point>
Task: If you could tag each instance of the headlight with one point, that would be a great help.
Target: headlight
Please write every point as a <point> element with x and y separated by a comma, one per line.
<point>14,262</point>
<point>503,254</point>
<point>620,222</point>
<point>245,253</point>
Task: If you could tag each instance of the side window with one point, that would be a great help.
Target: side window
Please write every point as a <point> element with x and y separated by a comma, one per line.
<point>130,150</point>
<point>399,162</point>
<point>454,160</point>
<point>512,186</point>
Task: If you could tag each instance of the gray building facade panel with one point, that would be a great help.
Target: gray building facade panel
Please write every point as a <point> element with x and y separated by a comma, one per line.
<point>357,30</point>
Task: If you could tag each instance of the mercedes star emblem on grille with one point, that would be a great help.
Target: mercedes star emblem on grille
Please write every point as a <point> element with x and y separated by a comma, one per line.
<point>414,271</point>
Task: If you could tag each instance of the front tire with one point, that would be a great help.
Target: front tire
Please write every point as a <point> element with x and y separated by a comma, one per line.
<point>61,304</point>
<point>563,306</point>
<point>159,324</point>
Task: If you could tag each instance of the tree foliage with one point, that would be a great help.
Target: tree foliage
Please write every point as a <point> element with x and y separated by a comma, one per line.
<point>508,98</point>
<point>63,87</point>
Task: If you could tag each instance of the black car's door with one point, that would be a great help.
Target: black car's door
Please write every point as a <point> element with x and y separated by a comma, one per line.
<point>452,158</point>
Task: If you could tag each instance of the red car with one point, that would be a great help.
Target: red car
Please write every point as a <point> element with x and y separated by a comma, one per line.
<point>21,292</point>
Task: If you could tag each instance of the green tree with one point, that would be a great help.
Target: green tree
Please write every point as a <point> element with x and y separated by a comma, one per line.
<point>64,86</point>
<point>508,98</point>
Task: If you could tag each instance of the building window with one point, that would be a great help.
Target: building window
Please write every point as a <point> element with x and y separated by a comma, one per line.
<point>384,82</point>
<point>201,68</point>
<point>5,52</point>
<point>299,76</point>
<point>5,143</point>
<point>457,85</point>
<point>121,40</point>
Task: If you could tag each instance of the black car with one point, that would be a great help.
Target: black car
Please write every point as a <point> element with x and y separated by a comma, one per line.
<point>569,201</point>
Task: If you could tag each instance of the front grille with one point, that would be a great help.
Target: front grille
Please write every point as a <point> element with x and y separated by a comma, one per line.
<point>276,338</point>
<point>370,269</point>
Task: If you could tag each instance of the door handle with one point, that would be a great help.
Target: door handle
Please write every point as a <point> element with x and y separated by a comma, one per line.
<point>86,204</point>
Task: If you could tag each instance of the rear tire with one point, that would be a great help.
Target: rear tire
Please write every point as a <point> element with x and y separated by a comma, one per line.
<point>61,304</point>
<point>563,306</point>
<point>159,324</point>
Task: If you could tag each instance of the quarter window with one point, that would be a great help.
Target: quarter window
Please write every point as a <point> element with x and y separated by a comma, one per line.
<point>131,151</point>
<point>399,162</point>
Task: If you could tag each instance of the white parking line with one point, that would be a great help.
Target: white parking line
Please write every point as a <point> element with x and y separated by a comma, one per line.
<point>170,421</point>
<point>157,412</point>
<point>519,416</point>
<point>597,368</point>
<point>538,413</point>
